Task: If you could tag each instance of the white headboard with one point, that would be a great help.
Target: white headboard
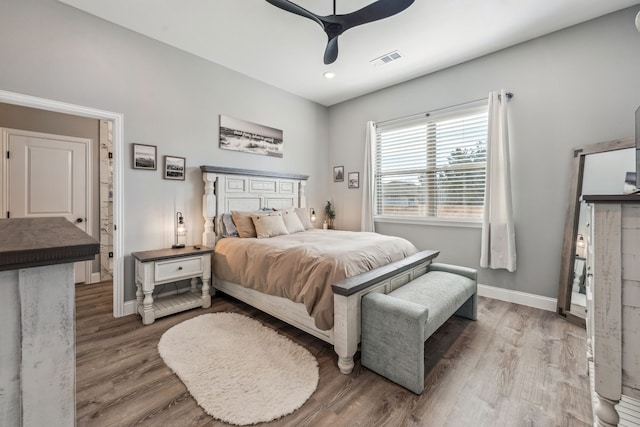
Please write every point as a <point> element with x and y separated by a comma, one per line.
<point>229,189</point>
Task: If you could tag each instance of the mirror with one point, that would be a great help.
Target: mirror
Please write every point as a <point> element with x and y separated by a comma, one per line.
<point>571,297</point>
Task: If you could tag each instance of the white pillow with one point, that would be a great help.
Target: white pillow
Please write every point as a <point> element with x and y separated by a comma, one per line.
<point>303,216</point>
<point>269,225</point>
<point>291,221</point>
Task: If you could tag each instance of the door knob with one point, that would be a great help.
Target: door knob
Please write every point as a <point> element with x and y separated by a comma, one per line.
<point>79,220</point>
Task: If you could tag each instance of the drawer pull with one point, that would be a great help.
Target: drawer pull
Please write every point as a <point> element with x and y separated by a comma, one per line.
<point>180,268</point>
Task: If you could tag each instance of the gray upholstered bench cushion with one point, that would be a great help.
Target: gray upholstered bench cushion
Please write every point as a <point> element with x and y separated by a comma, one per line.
<point>440,292</point>
<point>395,326</point>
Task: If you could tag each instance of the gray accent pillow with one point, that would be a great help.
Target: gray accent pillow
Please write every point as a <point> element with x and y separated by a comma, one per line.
<point>228,228</point>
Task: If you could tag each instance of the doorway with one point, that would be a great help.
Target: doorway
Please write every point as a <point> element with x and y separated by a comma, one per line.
<point>116,120</point>
<point>50,175</point>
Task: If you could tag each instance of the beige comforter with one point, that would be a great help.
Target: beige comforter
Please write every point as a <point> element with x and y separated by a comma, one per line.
<point>302,266</point>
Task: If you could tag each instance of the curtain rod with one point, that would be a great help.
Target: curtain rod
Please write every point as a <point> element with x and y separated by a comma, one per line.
<point>427,114</point>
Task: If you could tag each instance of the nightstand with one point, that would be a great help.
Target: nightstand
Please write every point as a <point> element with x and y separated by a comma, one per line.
<point>161,266</point>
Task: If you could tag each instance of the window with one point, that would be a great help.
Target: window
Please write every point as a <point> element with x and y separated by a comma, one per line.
<point>432,167</point>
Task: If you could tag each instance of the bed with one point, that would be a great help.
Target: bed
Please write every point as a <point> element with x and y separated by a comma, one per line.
<point>227,190</point>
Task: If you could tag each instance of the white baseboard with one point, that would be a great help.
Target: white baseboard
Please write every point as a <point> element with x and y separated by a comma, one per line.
<point>96,277</point>
<point>517,297</point>
<point>129,307</point>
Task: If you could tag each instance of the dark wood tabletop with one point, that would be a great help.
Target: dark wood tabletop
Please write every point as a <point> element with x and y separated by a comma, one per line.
<point>34,242</point>
<point>160,254</point>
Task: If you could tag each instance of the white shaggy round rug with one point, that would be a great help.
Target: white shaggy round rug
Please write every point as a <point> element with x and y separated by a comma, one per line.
<point>239,371</point>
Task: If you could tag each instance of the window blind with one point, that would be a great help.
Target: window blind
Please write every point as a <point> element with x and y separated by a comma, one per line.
<point>434,167</point>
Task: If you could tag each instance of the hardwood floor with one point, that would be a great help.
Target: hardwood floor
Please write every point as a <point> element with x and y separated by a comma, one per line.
<point>515,366</point>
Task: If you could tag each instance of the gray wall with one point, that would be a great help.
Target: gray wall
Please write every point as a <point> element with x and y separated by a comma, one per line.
<point>169,98</point>
<point>572,88</point>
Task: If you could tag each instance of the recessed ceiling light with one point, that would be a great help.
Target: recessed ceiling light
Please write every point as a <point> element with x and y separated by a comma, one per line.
<point>329,75</point>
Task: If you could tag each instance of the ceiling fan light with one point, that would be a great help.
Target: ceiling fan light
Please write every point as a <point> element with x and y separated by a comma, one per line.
<point>329,75</point>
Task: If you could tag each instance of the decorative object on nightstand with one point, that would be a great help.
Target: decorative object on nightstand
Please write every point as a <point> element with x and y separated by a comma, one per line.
<point>162,266</point>
<point>329,214</point>
<point>181,231</point>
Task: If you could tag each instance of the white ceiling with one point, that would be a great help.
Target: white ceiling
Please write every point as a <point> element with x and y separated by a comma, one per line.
<point>285,50</point>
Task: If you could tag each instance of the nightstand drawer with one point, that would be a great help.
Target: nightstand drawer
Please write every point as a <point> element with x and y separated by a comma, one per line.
<point>177,268</point>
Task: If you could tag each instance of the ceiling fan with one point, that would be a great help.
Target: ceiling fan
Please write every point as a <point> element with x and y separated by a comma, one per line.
<point>335,24</point>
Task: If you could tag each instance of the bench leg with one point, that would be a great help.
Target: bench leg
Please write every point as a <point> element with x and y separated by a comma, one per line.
<point>392,340</point>
<point>470,308</point>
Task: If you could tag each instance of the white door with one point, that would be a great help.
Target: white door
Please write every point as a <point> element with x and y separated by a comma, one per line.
<point>48,176</point>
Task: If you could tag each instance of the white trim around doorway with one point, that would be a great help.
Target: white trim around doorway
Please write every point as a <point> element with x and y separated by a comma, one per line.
<point>118,154</point>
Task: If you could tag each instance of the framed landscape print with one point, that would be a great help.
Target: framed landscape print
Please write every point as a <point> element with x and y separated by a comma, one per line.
<point>174,167</point>
<point>144,156</point>
<point>338,173</point>
<point>240,135</point>
<point>354,179</point>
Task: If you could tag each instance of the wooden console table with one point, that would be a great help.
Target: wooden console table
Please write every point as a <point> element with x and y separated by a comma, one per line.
<point>161,266</point>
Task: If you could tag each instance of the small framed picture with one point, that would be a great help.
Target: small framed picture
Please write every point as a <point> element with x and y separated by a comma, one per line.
<point>338,173</point>
<point>174,167</point>
<point>354,179</point>
<point>144,156</point>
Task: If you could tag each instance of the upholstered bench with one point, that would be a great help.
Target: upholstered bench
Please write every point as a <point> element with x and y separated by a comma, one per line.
<point>396,325</point>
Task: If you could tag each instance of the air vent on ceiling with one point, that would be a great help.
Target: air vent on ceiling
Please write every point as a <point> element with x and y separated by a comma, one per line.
<point>386,58</point>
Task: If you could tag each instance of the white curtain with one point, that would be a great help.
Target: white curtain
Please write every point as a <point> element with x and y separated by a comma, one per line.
<point>367,223</point>
<point>498,232</point>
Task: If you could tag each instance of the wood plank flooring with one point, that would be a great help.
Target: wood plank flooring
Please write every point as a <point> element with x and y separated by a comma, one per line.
<point>515,366</point>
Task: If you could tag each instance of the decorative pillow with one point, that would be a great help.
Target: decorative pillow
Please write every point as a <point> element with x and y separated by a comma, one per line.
<point>227,227</point>
<point>291,221</point>
<point>303,216</point>
<point>244,223</point>
<point>269,225</point>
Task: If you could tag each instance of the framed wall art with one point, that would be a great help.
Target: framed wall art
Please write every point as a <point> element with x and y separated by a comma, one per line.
<point>240,135</point>
<point>354,179</point>
<point>174,167</point>
<point>338,173</point>
<point>144,156</point>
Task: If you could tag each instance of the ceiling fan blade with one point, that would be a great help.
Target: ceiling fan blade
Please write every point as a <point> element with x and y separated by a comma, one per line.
<point>375,11</point>
<point>294,8</point>
<point>331,52</point>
